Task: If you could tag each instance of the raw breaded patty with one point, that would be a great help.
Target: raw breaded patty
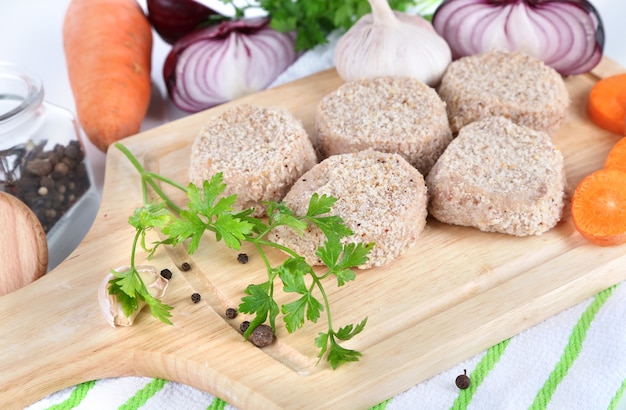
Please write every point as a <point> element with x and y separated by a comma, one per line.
<point>389,114</point>
<point>509,84</point>
<point>380,197</point>
<point>260,151</point>
<point>499,177</point>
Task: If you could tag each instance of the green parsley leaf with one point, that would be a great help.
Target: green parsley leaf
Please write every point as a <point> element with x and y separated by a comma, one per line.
<point>149,216</point>
<point>354,255</point>
<point>129,302</point>
<point>159,309</point>
<point>341,259</point>
<point>257,300</point>
<point>319,205</point>
<point>329,253</point>
<point>291,273</point>
<point>343,276</point>
<point>338,355</point>
<point>189,226</point>
<point>216,216</point>
<point>280,214</point>
<point>127,281</point>
<point>232,230</point>
<point>349,331</point>
<point>295,311</point>
<point>260,302</point>
<point>321,341</point>
<point>208,193</point>
<point>332,226</point>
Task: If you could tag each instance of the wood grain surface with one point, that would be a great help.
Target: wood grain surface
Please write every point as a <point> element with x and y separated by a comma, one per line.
<point>23,247</point>
<point>456,293</point>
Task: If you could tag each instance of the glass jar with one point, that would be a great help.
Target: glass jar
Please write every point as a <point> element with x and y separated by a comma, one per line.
<point>43,162</point>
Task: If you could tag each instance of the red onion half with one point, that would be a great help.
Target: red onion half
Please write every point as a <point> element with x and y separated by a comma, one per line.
<point>172,19</point>
<point>567,35</point>
<point>220,63</point>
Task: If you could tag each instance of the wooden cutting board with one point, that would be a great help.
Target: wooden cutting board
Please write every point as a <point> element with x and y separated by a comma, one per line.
<point>456,293</point>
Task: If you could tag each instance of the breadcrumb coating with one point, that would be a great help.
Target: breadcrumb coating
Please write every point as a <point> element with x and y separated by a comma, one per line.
<point>260,151</point>
<point>499,177</point>
<point>380,197</point>
<point>389,114</point>
<point>509,84</point>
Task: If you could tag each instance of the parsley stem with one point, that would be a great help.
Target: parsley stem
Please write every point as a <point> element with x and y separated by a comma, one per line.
<point>320,287</point>
<point>149,177</point>
<point>138,233</point>
<point>163,196</point>
<point>274,245</point>
<point>259,249</point>
<point>166,180</point>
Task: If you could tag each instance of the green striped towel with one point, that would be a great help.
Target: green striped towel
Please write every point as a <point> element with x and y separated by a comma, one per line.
<point>575,360</point>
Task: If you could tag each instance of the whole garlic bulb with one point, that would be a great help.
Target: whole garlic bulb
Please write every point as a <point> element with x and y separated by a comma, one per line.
<point>391,43</point>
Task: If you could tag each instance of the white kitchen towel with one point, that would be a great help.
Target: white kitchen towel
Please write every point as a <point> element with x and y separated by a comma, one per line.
<point>575,360</point>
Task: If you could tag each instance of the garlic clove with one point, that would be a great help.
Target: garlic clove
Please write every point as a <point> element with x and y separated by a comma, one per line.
<point>113,311</point>
<point>392,43</point>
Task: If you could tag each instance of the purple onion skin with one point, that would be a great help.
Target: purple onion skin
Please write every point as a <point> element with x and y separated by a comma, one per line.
<point>593,57</point>
<point>173,19</point>
<point>284,55</point>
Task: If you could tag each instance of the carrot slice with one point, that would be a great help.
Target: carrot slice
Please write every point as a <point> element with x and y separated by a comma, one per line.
<point>599,207</point>
<point>617,156</point>
<point>606,104</point>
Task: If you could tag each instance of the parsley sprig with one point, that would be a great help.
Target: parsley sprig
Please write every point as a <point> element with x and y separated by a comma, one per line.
<point>127,285</point>
<point>208,210</point>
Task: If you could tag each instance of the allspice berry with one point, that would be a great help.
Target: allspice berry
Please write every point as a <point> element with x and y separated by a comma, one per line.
<point>463,381</point>
<point>261,336</point>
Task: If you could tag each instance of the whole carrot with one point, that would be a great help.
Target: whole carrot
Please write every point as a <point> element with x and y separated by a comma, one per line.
<point>108,50</point>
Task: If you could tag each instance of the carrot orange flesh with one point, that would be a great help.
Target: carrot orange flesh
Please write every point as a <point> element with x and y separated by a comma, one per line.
<point>599,207</point>
<point>108,49</point>
<point>606,105</point>
<point>617,156</point>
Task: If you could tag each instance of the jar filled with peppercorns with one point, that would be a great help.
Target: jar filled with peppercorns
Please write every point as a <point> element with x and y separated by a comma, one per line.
<point>43,162</point>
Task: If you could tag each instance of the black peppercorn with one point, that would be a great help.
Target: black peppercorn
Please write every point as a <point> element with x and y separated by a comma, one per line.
<point>195,297</point>
<point>231,313</point>
<point>463,381</point>
<point>166,273</point>
<point>244,326</point>
<point>262,335</point>
<point>185,266</point>
<point>242,258</point>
